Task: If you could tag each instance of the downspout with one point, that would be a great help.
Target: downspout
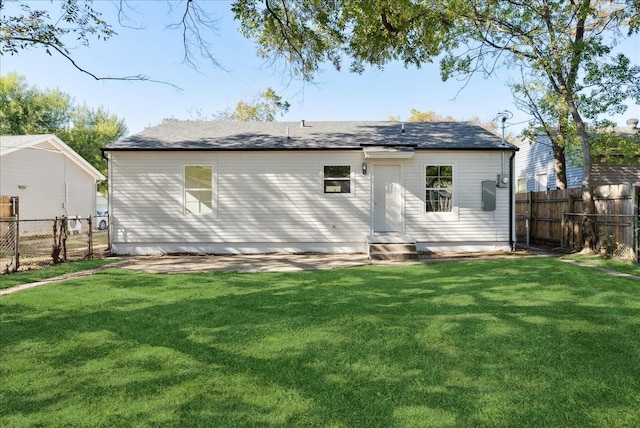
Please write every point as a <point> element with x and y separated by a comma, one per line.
<point>512,213</point>
<point>110,216</point>
<point>66,187</point>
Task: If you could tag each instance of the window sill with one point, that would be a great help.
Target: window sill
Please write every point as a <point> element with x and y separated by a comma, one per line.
<point>442,216</point>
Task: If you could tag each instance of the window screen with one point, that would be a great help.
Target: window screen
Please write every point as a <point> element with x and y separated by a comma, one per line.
<point>439,188</point>
<point>198,189</point>
<point>337,179</point>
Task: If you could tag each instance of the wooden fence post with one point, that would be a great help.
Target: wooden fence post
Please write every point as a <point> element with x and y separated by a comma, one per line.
<point>562,230</point>
<point>563,224</point>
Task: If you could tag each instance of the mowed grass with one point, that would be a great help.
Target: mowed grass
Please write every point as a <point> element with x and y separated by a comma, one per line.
<point>495,343</point>
<point>623,266</point>
<point>39,274</point>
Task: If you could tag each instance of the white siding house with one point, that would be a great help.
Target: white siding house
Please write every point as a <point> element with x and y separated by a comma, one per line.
<point>223,187</point>
<point>49,178</point>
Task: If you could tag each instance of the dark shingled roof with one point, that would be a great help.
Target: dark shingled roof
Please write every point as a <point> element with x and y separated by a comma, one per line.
<point>217,135</point>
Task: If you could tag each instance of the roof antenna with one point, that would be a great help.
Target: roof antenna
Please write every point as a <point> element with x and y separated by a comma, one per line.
<point>503,116</point>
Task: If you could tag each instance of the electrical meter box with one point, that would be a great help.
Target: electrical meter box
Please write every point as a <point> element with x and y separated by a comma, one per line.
<point>489,195</point>
<point>503,180</point>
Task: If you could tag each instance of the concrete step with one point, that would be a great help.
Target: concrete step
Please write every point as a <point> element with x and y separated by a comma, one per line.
<point>393,248</point>
<point>395,257</point>
<point>389,238</point>
<point>394,252</point>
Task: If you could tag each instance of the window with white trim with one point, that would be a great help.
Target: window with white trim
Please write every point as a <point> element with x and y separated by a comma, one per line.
<point>522,185</point>
<point>439,188</point>
<point>337,179</point>
<point>542,181</point>
<point>198,189</point>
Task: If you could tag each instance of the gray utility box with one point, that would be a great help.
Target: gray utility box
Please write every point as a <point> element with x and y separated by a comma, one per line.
<point>489,195</point>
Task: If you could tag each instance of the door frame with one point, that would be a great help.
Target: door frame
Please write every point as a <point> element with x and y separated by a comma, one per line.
<point>401,197</point>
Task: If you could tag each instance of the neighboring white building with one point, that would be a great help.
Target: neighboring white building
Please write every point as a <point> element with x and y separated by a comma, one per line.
<point>250,187</point>
<point>50,179</point>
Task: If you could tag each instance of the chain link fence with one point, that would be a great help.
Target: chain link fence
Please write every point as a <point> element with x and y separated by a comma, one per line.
<point>616,234</point>
<point>28,243</point>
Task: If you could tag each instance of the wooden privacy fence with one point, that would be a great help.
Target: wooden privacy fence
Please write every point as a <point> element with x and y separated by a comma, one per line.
<point>553,218</point>
<point>8,206</point>
<point>539,215</point>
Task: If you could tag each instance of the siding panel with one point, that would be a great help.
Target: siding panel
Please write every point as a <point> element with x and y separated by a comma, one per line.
<point>537,158</point>
<point>258,197</point>
<point>45,174</point>
<point>277,199</point>
<point>471,224</point>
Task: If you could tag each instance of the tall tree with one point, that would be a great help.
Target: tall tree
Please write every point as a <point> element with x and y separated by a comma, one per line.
<point>27,109</point>
<point>562,44</point>
<point>566,44</point>
<point>550,121</point>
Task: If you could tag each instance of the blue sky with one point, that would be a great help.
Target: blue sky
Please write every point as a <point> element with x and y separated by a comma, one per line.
<point>156,52</point>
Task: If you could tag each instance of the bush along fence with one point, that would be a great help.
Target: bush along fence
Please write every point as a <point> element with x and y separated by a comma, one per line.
<point>27,243</point>
<point>553,218</point>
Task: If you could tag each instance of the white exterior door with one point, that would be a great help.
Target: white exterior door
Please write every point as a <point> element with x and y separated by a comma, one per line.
<point>387,199</point>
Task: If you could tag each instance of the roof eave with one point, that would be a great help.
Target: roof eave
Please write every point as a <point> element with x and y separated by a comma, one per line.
<point>279,149</point>
<point>64,149</point>
<point>223,149</point>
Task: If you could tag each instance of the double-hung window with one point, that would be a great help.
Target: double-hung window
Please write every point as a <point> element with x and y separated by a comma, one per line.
<point>522,185</point>
<point>542,182</point>
<point>198,189</point>
<point>439,188</point>
<point>337,179</point>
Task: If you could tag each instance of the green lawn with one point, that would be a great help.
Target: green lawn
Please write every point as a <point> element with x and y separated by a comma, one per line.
<point>495,343</point>
<point>39,274</point>
<point>606,263</point>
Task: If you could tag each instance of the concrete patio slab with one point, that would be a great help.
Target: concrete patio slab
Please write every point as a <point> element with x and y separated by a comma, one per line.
<point>243,263</point>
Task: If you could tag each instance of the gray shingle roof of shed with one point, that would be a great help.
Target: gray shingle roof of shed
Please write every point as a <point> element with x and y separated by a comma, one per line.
<point>217,135</point>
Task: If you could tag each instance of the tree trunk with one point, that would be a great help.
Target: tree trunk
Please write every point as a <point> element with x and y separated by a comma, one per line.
<point>588,204</point>
<point>559,158</point>
<point>560,166</point>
